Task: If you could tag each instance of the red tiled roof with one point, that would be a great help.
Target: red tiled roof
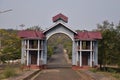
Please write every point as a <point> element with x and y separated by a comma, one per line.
<point>60,16</point>
<point>88,35</point>
<point>31,34</point>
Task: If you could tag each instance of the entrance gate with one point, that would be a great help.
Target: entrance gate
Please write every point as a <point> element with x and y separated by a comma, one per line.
<point>84,44</point>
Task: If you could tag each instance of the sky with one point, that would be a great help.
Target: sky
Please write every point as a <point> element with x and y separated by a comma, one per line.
<point>82,14</point>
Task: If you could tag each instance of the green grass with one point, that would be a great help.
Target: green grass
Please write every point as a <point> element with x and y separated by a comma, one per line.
<point>9,72</point>
<point>114,72</point>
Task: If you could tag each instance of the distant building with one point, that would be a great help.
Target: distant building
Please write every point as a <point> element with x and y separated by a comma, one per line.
<point>84,44</point>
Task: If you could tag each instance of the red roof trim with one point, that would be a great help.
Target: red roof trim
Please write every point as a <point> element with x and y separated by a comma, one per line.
<point>60,16</point>
<point>88,35</point>
<point>31,34</point>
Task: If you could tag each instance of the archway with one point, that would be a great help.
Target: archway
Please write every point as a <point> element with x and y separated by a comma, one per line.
<point>61,28</point>
<point>59,54</point>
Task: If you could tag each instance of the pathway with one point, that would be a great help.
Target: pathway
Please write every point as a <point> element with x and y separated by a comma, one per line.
<point>58,69</point>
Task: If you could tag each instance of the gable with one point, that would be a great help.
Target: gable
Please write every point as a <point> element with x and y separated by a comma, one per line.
<point>60,28</point>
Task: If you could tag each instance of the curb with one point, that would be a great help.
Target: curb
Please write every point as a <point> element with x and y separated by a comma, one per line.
<point>31,75</point>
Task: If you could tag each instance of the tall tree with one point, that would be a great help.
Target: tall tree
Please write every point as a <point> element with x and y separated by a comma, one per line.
<point>108,46</point>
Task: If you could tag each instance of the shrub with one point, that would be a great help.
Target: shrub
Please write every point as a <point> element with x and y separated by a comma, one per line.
<point>9,72</point>
<point>111,70</point>
<point>116,75</point>
<point>93,70</point>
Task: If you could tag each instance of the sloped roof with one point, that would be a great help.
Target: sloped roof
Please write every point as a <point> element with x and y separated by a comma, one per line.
<point>31,34</point>
<point>56,25</point>
<point>60,16</point>
<point>88,35</point>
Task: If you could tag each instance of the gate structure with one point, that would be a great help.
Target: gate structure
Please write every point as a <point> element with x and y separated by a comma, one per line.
<point>34,44</point>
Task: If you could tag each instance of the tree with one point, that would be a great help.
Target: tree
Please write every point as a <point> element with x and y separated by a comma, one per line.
<point>10,46</point>
<point>109,46</point>
<point>35,28</point>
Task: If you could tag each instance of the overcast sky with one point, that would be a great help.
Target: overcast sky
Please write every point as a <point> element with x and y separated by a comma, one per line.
<point>82,14</point>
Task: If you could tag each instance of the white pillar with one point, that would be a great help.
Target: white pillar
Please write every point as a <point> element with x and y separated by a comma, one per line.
<point>45,53</point>
<point>76,52</point>
<point>42,44</point>
<point>22,52</point>
<point>80,59</point>
<point>38,54</point>
<point>38,45</point>
<point>38,58</point>
<point>80,45</point>
<point>73,53</point>
<point>27,44</point>
<point>90,58</point>
<point>96,52</point>
<point>91,46</point>
<point>27,58</point>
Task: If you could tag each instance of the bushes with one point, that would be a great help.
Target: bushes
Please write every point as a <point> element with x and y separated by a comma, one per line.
<point>9,72</point>
<point>50,51</point>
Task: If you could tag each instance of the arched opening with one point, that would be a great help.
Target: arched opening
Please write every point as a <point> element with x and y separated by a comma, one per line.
<point>59,50</point>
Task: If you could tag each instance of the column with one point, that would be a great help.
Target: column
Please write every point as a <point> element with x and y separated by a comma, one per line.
<point>77,53</point>
<point>38,58</point>
<point>80,53</point>
<point>96,52</point>
<point>45,51</point>
<point>41,50</point>
<point>38,45</point>
<point>38,54</point>
<point>80,45</point>
<point>80,59</point>
<point>27,58</point>
<point>42,44</point>
<point>91,46</point>
<point>27,44</point>
<point>93,59</point>
<point>22,52</point>
<point>73,53</point>
<point>90,58</point>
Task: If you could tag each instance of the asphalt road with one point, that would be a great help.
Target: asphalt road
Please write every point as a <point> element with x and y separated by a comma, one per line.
<point>58,69</point>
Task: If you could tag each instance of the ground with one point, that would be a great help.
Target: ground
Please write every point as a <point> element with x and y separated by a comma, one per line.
<point>60,69</point>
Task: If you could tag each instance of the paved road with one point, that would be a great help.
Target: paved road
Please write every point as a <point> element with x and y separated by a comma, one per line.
<point>58,69</point>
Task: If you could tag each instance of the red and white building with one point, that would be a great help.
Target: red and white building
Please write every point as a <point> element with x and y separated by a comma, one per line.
<point>84,44</point>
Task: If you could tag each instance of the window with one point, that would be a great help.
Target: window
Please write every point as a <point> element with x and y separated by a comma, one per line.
<point>33,44</point>
<point>85,44</point>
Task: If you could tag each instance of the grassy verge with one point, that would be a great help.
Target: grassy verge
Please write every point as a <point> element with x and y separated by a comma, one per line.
<point>10,70</point>
<point>114,72</point>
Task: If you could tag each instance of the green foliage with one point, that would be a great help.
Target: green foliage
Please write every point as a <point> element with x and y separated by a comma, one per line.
<point>111,70</point>
<point>50,51</point>
<point>9,72</point>
<point>116,75</point>
<point>93,70</point>
<point>10,45</point>
<point>61,39</point>
<point>109,46</point>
